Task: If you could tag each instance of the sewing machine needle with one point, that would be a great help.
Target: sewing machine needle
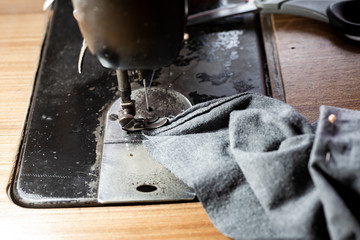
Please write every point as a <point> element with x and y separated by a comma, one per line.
<point>152,77</point>
<point>146,95</point>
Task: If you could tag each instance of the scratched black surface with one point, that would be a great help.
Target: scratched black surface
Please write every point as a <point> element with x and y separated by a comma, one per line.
<point>58,164</point>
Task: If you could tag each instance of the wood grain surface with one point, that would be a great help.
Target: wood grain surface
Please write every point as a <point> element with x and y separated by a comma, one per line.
<point>20,6</point>
<point>318,67</point>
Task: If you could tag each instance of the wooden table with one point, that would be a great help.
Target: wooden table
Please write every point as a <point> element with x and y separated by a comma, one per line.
<point>318,67</point>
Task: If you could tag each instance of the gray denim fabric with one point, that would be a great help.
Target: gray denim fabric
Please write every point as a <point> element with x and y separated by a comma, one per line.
<point>335,170</point>
<point>247,157</point>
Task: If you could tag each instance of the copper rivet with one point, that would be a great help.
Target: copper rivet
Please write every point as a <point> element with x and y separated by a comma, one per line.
<point>332,118</point>
<point>186,36</point>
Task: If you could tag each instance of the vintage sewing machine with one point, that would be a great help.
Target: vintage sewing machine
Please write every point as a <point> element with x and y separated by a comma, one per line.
<point>82,142</point>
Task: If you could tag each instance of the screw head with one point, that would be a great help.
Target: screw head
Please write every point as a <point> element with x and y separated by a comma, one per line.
<point>113,117</point>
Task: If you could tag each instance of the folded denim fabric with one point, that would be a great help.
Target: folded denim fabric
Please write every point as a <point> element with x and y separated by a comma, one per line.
<point>247,157</point>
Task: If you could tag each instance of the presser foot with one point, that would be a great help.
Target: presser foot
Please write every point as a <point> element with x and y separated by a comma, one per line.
<point>153,112</point>
<point>131,124</point>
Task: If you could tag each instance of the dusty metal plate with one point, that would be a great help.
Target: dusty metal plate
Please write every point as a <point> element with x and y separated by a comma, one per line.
<point>128,173</point>
<point>163,102</point>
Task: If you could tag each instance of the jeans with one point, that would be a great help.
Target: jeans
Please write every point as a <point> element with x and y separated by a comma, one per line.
<point>262,171</point>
